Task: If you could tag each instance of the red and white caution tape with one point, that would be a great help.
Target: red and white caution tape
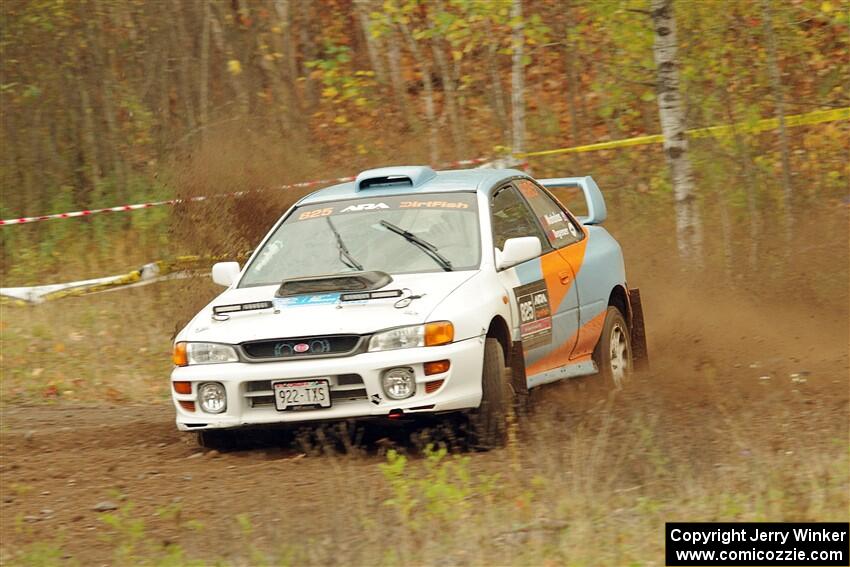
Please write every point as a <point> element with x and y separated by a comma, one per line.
<point>87,212</point>
<point>815,117</point>
<point>180,267</point>
<point>122,208</point>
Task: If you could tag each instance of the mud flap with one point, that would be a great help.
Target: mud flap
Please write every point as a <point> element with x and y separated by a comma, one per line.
<point>638,331</point>
<point>518,379</point>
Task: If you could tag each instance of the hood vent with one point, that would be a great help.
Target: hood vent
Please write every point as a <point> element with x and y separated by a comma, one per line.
<point>353,281</point>
<point>402,176</point>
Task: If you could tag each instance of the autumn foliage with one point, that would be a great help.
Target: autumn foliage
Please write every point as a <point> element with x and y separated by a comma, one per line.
<point>106,102</point>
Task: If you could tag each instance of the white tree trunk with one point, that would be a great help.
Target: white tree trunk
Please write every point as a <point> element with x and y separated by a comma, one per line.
<point>226,49</point>
<point>428,95</point>
<point>204,72</point>
<point>779,103</point>
<point>396,77</point>
<point>497,92</point>
<point>572,81</point>
<point>518,79</point>
<point>306,23</point>
<point>449,96</point>
<point>373,44</point>
<point>672,115</point>
<point>285,72</point>
<point>284,15</point>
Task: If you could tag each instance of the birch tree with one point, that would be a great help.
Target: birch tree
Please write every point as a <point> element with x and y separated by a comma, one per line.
<point>779,103</point>
<point>427,94</point>
<point>571,78</point>
<point>672,114</point>
<point>204,71</point>
<point>374,45</point>
<point>517,79</point>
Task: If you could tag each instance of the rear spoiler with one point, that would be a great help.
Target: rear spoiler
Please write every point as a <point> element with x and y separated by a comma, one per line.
<point>596,211</point>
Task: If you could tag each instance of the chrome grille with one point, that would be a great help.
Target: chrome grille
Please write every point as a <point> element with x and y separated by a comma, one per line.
<point>302,347</point>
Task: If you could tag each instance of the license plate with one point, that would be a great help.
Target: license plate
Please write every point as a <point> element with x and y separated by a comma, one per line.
<point>303,393</point>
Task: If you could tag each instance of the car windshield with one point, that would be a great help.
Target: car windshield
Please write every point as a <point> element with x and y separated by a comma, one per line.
<point>396,234</point>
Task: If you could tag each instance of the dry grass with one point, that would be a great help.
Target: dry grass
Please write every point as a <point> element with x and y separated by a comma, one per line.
<point>103,348</point>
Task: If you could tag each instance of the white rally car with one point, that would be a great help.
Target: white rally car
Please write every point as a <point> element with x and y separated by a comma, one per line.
<point>410,292</point>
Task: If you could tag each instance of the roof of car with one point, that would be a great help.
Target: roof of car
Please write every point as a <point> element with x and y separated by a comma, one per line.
<point>422,180</point>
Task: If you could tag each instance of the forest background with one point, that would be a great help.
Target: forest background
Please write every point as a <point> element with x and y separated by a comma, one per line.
<point>110,102</point>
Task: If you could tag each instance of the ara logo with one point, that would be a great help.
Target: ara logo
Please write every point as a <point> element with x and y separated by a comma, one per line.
<point>365,207</point>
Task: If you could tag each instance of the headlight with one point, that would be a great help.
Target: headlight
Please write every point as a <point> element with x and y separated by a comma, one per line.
<point>212,397</point>
<point>399,383</point>
<point>203,353</point>
<point>429,334</point>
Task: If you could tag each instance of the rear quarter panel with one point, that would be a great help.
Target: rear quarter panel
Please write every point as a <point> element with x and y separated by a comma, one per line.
<point>601,270</point>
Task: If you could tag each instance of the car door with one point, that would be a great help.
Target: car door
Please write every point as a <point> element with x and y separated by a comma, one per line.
<point>545,315</point>
<point>568,240</point>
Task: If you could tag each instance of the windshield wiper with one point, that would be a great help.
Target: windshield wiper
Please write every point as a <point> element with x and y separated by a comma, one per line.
<point>344,255</point>
<point>423,244</point>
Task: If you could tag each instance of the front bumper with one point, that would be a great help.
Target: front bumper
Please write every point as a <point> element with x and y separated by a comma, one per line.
<point>248,397</point>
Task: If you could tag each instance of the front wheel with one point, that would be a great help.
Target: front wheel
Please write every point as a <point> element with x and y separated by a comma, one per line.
<point>488,422</point>
<point>613,352</point>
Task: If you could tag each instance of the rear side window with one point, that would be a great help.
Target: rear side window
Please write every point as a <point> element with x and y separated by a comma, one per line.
<point>512,218</point>
<point>560,229</point>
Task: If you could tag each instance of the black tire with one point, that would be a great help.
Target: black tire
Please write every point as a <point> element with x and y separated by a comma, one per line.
<point>220,440</point>
<point>613,352</point>
<point>488,422</point>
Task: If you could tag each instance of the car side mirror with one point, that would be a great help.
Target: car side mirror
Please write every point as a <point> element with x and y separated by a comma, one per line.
<point>518,250</point>
<point>225,273</point>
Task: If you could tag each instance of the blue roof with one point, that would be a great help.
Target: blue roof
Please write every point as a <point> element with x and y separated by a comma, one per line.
<point>481,180</point>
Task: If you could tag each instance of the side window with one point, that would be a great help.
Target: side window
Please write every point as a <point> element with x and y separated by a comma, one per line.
<point>560,229</point>
<point>512,218</point>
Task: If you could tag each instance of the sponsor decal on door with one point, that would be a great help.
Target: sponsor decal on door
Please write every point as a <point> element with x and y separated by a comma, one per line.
<point>535,314</point>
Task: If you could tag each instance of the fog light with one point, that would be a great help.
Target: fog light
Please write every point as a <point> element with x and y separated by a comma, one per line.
<point>399,383</point>
<point>212,397</point>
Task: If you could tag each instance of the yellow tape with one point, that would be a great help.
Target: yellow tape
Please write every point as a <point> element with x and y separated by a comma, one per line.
<point>182,263</point>
<point>763,125</point>
<point>163,267</point>
<point>126,279</point>
<point>5,300</point>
